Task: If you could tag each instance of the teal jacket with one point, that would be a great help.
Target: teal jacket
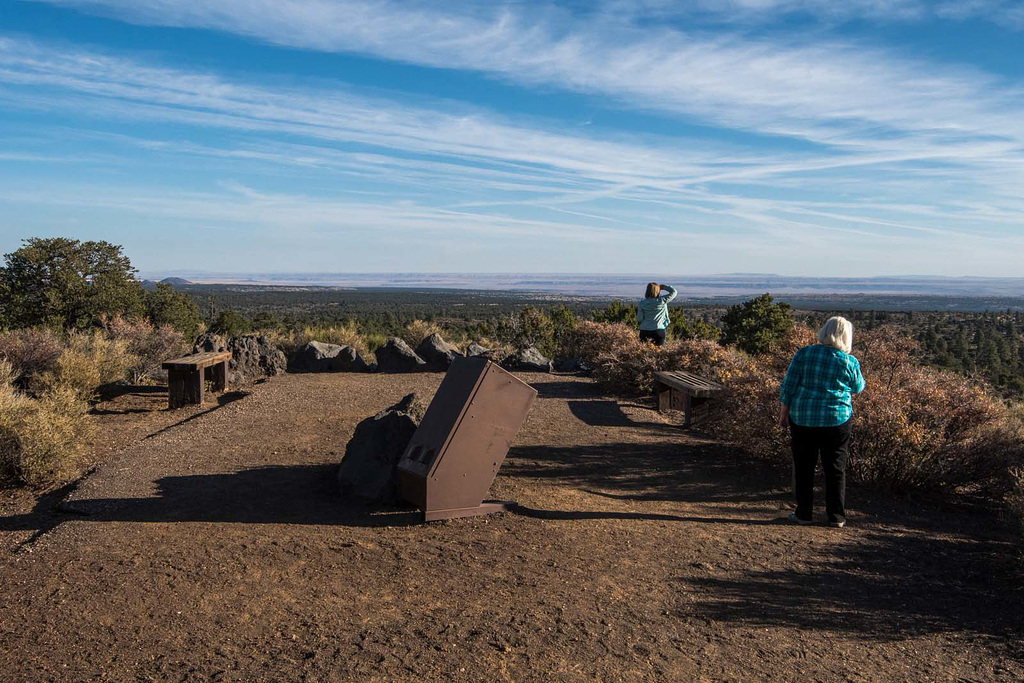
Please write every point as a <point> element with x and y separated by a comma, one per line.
<point>652,314</point>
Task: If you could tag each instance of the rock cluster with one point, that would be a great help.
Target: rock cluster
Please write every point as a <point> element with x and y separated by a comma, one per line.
<point>369,469</point>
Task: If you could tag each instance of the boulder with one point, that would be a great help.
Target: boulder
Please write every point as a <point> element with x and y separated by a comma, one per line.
<point>437,353</point>
<point>209,342</point>
<point>350,360</point>
<point>529,360</point>
<point>369,468</point>
<point>315,357</point>
<point>474,350</point>
<point>254,357</point>
<point>396,356</point>
<point>571,365</point>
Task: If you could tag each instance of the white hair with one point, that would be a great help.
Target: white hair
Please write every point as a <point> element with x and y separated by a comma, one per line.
<point>837,332</point>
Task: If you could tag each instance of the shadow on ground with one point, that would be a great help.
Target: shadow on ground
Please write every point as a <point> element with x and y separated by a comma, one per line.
<point>306,494</point>
<point>659,471</point>
<point>884,586</point>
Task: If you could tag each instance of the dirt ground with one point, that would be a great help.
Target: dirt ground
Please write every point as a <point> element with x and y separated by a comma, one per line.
<point>211,544</point>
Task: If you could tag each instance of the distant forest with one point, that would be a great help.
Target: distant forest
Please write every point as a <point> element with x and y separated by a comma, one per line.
<point>985,345</point>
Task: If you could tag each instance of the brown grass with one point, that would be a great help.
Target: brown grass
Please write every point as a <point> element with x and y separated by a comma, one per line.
<point>41,440</point>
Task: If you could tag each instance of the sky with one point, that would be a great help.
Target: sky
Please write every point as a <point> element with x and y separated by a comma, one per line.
<point>798,137</point>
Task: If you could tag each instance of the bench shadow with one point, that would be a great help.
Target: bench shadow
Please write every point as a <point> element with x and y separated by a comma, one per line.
<point>609,413</point>
<point>223,399</point>
<point>562,389</point>
<point>304,494</point>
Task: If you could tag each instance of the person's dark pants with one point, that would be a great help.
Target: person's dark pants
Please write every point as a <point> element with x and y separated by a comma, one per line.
<point>833,444</point>
<point>656,337</point>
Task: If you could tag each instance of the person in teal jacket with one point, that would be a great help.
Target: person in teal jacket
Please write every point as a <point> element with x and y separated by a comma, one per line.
<point>652,312</point>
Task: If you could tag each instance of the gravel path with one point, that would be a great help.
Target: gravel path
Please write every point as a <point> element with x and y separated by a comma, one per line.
<point>213,546</point>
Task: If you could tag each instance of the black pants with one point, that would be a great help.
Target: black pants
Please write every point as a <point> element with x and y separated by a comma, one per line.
<point>833,444</point>
<point>656,337</point>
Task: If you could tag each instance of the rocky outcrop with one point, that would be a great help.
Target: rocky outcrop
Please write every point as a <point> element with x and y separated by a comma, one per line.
<point>437,353</point>
<point>474,350</point>
<point>369,469</point>
<point>529,360</point>
<point>210,342</point>
<point>254,357</point>
<point>396,356</point>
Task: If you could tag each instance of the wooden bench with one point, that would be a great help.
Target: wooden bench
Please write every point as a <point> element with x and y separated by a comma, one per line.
<point>678,390</point>
<point>186,376</point>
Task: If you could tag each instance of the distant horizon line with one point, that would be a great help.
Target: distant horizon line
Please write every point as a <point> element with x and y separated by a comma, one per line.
<point>164,274</point>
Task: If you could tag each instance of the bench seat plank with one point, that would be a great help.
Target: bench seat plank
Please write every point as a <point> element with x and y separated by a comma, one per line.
<point>692,384</point>
<point>198,361</point>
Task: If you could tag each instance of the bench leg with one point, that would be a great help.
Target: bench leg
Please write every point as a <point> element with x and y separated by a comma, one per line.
<point>687,410</point>
<point>175,388</point>
<point>184,386</point>
<point>664,397</point>
<point>219,376</point>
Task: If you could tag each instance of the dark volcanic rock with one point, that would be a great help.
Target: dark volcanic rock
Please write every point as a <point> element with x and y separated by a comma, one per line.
<point>437,353</point>
<point>572,365</point>
<point>209,342</point>
<point>253,357</point>
<point>396,356</point>
<point>368,470</point>
<point>474,350</point>
<point>350,360</point>
<point>529,360</point>
<point>315,357</point>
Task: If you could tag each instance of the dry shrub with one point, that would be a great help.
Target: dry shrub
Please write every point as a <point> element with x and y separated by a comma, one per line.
<point>150,345</point>
<point>914,427</point>
<point>90,360</point>
<point>30,351</point>
<point>416,331</point>
<point>627,365</point>
<point>1015,498</point>
<point>41,440</point>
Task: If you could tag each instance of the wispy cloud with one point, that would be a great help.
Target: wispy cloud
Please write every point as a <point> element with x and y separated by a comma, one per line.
<point>898,152</point>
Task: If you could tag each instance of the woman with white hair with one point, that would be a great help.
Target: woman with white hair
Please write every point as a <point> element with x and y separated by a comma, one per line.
<point>817,404</point>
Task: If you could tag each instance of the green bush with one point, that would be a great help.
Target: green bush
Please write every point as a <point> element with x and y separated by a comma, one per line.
<point>231,324</point>
<point>616,312</point>
<point>683,328</point>
<point>167,306</point>
<point>758,325</point>
<point>529,327</point>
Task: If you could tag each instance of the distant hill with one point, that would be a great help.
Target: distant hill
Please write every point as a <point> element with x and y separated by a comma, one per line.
<point>176,281</point>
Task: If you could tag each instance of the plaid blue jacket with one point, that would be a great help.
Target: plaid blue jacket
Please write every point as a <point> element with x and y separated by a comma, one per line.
<point>819,386</point>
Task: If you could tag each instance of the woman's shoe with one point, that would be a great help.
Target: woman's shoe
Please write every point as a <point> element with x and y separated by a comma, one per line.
<point>794,518</point>
<point>837,525</point>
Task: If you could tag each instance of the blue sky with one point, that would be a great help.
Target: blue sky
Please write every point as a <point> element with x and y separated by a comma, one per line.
<point>801,137</point>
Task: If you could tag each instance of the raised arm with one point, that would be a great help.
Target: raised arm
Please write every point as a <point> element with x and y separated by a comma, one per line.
<point>671,293</point>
